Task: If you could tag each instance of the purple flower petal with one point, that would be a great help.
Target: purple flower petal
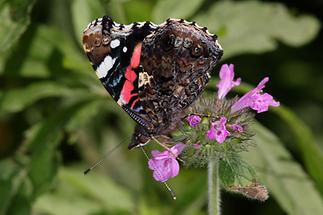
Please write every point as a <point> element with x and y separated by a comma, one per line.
<point>211,133</point>
<point>193,120</point>
<point>177,149</point>
<point>218,130</point>
<point>174,167</point>
<point>157,155</point>
<point>236,127</point>
<point>164,164</point>
<point>262,102</point>
<point>226,82</point>
<point>255,100</point>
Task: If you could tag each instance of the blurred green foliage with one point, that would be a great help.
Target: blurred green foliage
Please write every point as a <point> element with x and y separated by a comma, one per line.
<point>56,119</point>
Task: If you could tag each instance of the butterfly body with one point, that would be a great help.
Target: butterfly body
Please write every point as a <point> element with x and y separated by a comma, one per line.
<point>154,72</point>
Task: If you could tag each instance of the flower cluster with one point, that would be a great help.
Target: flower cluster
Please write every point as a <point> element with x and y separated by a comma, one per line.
<point>227,123</point>
<point>254,99</point>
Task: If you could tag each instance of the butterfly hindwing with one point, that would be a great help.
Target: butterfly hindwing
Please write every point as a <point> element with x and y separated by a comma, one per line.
<point>154,72</point>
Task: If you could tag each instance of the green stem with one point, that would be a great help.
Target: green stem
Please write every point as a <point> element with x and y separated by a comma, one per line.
<point>213,188</point>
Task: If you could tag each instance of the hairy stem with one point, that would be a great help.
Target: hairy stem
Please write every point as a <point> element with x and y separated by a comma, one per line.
<point>213,188</point>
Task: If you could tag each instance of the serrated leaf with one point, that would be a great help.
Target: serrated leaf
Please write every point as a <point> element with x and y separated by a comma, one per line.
<point>284,177</point>
<point>240,32</point>
<point>234,171</point>
<point>14,19</point>
<point>165,9</point>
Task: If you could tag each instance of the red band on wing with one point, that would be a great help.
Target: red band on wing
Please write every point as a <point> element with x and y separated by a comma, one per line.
<point>131,76</point>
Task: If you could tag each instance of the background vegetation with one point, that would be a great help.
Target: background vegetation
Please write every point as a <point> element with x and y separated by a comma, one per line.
<point>56,118</point>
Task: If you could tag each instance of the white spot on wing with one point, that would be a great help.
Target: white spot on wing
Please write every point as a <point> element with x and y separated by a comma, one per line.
<point>140,24</point>
<point>116,24</point>
<point>124,49</point>
<point>128,27</point>
<point>105,67</point>
<point>115,43</point>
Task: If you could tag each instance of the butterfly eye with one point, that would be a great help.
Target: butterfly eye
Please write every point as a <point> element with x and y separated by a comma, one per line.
<point>197,51</point>
<point>168,42</point>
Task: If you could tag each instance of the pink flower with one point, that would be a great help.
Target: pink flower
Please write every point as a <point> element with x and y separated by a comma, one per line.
<point>164,164</point>
<point>218,131</point>
<point>262,102</point>
<point>236,127</point>
<point>226,82</point>
<point>255,100</point>
<point>193,120</point>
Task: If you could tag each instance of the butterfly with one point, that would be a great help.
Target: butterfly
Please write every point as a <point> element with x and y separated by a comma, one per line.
<point>154,72</point>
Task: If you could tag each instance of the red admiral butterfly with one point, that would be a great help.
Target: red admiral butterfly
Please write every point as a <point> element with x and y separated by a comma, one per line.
<point>154,72</point>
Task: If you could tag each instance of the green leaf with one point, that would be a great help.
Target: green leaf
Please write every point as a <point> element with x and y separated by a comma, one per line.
<point>53,39</point>
<point>138,10</point>
<point>44,163</point>
<point>311,152</point>
<point>240,32</point>
<point>165,9</point>
<point>84,194</point>
<point>5,192</point>
<point>14,19</point>
<point>84,12</point>
<point>115,9</point>
<point>45,51</point>
<point>18,99</point>
<point>284,177</point>
<point>21,201</point>
<point>86,113</point>
<point>307,146</point>
<point>191,199</point>
<point>234,171</point>
<point>43,142</point>
<point>15,189</point>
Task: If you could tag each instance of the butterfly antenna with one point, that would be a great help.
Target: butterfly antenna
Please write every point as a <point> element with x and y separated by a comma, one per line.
<point>99,162</point>
<point>166,185</point>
